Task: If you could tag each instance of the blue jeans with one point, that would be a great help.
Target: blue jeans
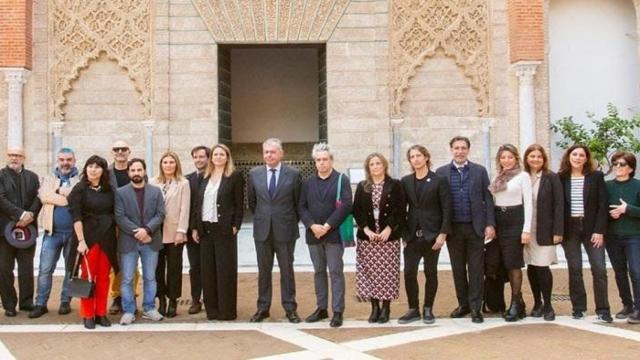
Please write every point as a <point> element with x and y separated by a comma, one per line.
<point>52,245</point>
<point>624,253</point>
<point>128,265</point>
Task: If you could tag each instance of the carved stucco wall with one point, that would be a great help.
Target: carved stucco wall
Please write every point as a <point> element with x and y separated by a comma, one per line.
<point>419,28</point>
<point>271,20</point>
<point>81,30</point>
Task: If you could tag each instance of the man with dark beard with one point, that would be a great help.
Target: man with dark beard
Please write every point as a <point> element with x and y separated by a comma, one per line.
<point>139,212</point>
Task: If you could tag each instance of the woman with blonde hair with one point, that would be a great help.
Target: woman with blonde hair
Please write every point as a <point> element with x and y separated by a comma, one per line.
<point>511,189</point>
<point>177,198</point>
<point>379,209</point>
<point>216,220</point>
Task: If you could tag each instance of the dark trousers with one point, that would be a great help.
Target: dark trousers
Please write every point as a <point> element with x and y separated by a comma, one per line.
<point>219,271</point>
<point>466,251</point>
<point>193,253</point>
<point>328,255</point>
<point>573,252</point>
<point>8,257</point>
<point>283,250</point>
<point>624,253</point>
<point>169,271</point>
<point>415,251</point>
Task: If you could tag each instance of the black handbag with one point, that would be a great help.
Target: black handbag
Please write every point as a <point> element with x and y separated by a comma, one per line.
<point>79,287</point>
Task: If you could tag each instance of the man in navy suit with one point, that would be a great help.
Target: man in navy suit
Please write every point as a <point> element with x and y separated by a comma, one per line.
<point>273,191</point>
<point>322,213</point>
<point>473,220</point>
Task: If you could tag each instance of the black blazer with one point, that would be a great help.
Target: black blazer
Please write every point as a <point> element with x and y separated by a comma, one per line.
<point>392,209</point>
<point>431,211</point>
<point>595,199</point>
<point>482,206</point>
<point>9,209</point>
<point>317,208</point>
<point>230,202</point>
<point>549,209</point>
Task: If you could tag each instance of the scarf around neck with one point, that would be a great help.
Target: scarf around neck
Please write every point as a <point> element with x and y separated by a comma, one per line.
<point>500,182</point>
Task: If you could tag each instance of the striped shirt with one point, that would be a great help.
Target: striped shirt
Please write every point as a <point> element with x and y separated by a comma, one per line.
<point>577,191</point>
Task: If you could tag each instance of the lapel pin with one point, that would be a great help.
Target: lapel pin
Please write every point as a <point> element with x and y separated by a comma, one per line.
<point>429,180</point>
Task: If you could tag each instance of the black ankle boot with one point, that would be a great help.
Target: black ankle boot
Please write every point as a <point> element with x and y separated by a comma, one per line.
<point>375,311</point>
<point>516,309</point>
<point>162,305</point>
<point>385,312</point>
<point>172,309</point>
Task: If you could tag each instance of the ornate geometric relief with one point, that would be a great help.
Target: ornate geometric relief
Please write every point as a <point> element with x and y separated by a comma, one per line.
<point>420,27</point>
<point>80,30</point>
<point>271,20</point>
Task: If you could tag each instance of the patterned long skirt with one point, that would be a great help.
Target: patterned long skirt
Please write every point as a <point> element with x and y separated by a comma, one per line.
<point>378,270</point>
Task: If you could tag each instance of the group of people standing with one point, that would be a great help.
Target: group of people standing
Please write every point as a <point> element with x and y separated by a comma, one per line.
<point>106,217</point>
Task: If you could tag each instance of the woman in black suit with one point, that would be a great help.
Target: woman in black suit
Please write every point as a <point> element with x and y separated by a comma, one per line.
<point>379,210</point>
<point>428,223</point>
<point>216,220</point>
<point>547,228</point>
<point>585,222</point>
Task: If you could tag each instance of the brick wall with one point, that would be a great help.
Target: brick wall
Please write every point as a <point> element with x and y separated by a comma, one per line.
<point>15,33</point>
<point>526,30</point>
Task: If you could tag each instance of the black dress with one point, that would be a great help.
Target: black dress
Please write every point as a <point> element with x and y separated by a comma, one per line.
<point>95,209</point>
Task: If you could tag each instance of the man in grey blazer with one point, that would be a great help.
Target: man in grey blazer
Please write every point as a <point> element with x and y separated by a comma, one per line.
<point>139,212</point>
<point>473,220</point>
<point>273,192</point>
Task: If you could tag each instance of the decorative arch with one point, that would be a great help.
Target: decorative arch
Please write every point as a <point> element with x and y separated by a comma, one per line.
<point>82,30</point>
<point>419,28</point>
<point>271,20</point>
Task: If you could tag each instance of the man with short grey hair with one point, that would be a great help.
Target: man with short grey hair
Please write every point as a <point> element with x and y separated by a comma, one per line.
<point>273,192</point>
<point>325,201</point>
<point>57,222</point>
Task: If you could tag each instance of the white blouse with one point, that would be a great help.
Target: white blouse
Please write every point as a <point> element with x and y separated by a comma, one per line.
<point>518,192</point>
<point>210,202</point>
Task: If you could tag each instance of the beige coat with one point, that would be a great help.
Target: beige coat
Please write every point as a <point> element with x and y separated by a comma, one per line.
<point>177,198</point>
<point>50,199</point>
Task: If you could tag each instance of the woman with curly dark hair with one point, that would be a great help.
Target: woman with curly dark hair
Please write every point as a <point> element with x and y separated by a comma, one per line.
<point>91,202</point>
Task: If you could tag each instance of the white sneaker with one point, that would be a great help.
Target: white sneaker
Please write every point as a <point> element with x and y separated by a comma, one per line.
<point>127,319</point>
<point>152,315</point>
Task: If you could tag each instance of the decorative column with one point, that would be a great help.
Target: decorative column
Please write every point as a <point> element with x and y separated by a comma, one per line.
<point>525,71</point>
<point>56,131</point>
<point>486,145</point>
<point>16,78</point>
<point>396,122</point>
<point>148,143</point>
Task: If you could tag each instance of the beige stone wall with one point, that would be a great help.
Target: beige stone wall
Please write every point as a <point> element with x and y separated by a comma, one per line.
<point>357,78</point>
<point>439,103</point>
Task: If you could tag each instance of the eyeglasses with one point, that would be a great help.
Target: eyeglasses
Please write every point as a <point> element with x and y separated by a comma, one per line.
<point>120,149</point>
<point>620,164</point>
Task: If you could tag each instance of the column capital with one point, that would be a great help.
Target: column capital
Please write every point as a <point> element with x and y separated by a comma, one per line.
<point>56,127</point>
<point>525,71</point>
<point>149,124</point>
<point>15,76</point>
<point>396,120</point>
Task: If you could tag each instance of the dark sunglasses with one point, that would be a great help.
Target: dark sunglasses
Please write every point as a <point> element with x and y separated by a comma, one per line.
<point>120,149</point>
<point>620,164</point>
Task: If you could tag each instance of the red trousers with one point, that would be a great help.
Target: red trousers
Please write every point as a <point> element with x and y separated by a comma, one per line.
<point>100,267</point>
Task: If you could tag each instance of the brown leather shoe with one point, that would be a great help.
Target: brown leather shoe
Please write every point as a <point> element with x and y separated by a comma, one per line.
<point>196,307</point>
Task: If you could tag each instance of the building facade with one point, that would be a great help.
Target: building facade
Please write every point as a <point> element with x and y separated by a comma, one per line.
<point>364,75</point>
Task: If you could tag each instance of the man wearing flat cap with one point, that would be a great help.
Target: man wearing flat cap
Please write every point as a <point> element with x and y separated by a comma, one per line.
<point>19,207</point>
